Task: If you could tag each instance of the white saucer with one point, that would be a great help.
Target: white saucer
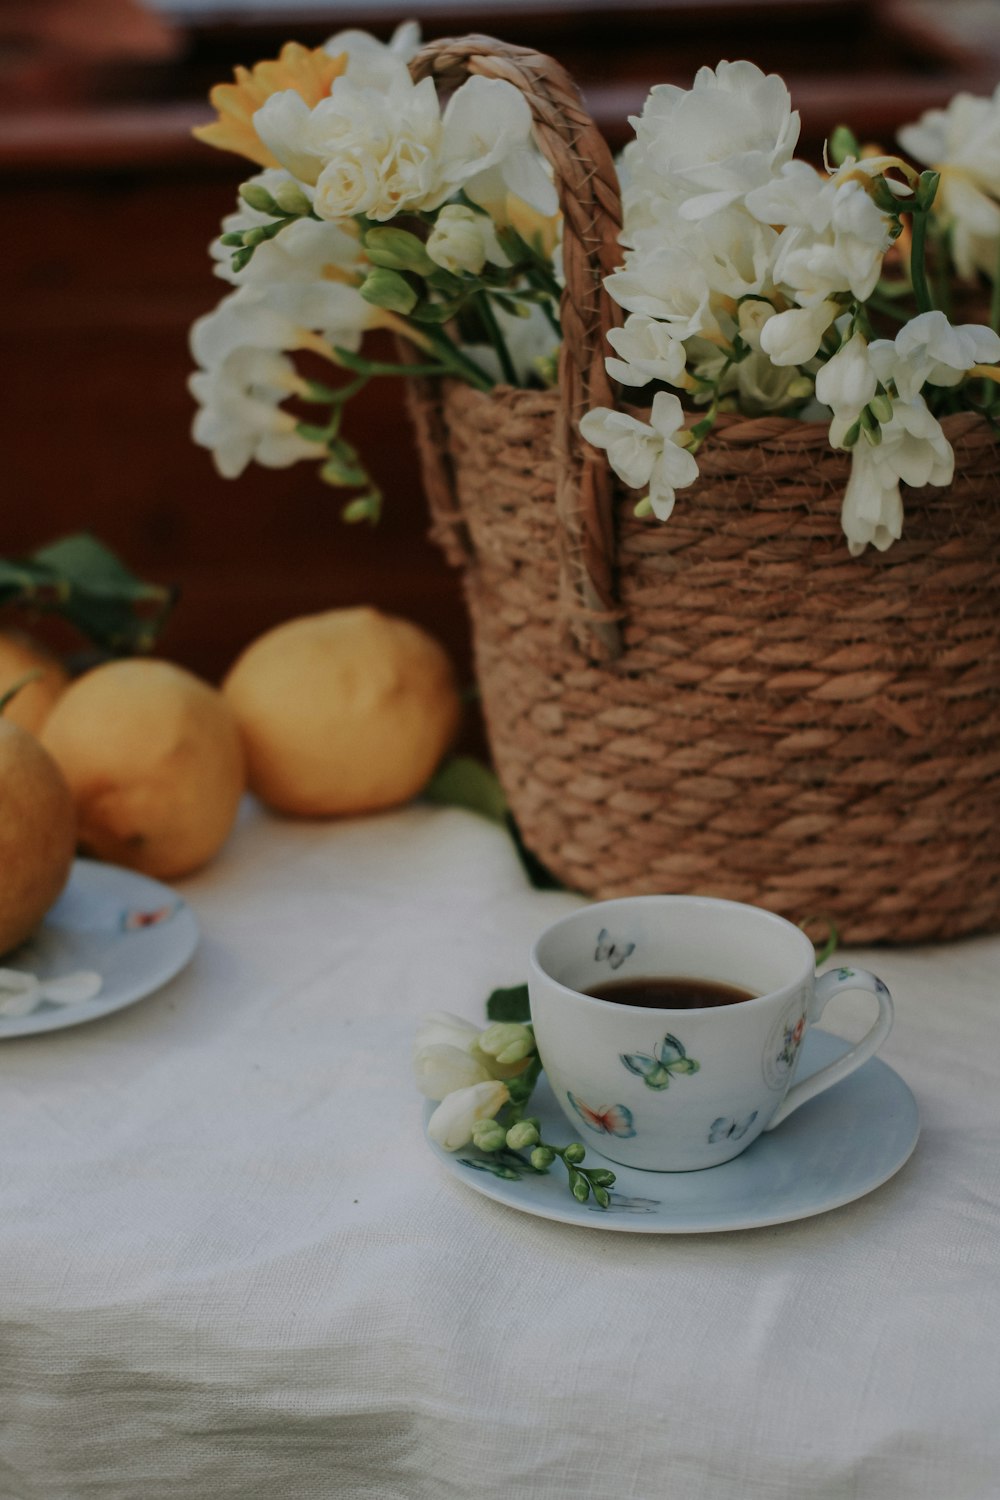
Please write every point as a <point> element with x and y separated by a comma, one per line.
<point>833,1149</point>
<point>131,930</point>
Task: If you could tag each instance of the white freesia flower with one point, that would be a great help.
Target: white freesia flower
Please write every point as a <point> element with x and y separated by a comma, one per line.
<point>643,453</point>
<point>440,1069</point>
<point>669,285</point>
<point>759,385</point>
<point>872,509</point>
<point>487,129</point>
<point>371,61</point>
<point>707,146</point>
<point>931,350</point>
<point>464,240</point>
<point>446,1055</point>
<point>240,416</point>
<point>847,382</point>
<point>304,251</point>
<point>835,235</point>
<point>793,337</point>
<point>381,150</point>
<point>689,275</point>
<point>962,142</point>
<point>286,315</point>
<point>647,350</point>
<point>452,1123</point>
<point>913,449</point>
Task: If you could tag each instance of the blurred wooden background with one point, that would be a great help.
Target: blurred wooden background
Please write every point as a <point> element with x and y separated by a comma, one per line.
<point>109,206</point>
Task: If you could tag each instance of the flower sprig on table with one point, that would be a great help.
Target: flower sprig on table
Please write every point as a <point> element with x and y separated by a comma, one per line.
<point>752,281</point>
<point>482,1082</point>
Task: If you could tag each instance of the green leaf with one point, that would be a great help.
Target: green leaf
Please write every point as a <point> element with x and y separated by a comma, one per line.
<point>509,1004</point>
<point>79,578</point>
<point>465,782</point>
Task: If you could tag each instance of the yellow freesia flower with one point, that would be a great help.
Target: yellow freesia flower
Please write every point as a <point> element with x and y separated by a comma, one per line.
<point>309,73</point>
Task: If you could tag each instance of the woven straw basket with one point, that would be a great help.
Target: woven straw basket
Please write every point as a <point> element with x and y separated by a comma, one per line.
<point>727,703</point>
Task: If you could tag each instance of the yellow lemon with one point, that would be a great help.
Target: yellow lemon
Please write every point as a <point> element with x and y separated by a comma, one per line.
<point>153,757</point>
<point>37,833</point>
<point>19,655</point>
<point>349,711</point>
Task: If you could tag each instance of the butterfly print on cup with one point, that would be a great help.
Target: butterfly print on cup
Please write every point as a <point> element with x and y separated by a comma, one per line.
<point>611,953</point>
<point>668,1058</point>
<point>615,1120</point>
<point>724,1129</point>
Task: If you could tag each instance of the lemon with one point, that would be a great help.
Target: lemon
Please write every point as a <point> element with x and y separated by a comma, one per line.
<point>344,712</point>
<point>37,833</point>
<point>19,656</point>
<point>153,758</point>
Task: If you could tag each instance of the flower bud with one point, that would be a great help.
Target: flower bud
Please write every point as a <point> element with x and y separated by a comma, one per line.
<point>258,197</point>
<point>542,1158</point>
<point>574,1153</point>
<point>507,1041</point>
<point>488,1135</point>
<point>458,240</point>
<point>579,1186</point>
<point>881,407</point>
<point>521,1135</point>
<point>601,1177</point>
<point>397,250</point>
<point>291,199</point>
<point>384,288</point>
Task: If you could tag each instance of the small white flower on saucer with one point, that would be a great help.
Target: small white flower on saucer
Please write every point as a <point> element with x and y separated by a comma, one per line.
<point>446,1055</point>
<point>21,993</point>
<point>452,1123</point>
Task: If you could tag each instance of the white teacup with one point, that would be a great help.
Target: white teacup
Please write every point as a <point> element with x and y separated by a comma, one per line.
<point>673,1089</point>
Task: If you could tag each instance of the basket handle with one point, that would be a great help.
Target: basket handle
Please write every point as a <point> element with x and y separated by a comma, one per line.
<point>587,186</point>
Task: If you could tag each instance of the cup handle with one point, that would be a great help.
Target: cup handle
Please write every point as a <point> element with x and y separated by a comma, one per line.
<point>827,986</point>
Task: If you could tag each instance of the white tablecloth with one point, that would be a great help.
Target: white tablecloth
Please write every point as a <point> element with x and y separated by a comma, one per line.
<point>232,1268</point>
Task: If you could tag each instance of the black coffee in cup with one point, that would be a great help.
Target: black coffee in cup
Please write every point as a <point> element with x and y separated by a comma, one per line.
<point>667,992</point>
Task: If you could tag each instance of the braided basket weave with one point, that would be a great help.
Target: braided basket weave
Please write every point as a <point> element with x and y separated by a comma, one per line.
<point>727,703</point>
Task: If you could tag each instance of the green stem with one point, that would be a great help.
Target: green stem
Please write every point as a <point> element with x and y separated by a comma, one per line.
<point>882,305</point>
<point>995,300</point>
<point>369,367</point>
<point>457,362</point>
<point>918,265</point>
<point>496,338</point>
